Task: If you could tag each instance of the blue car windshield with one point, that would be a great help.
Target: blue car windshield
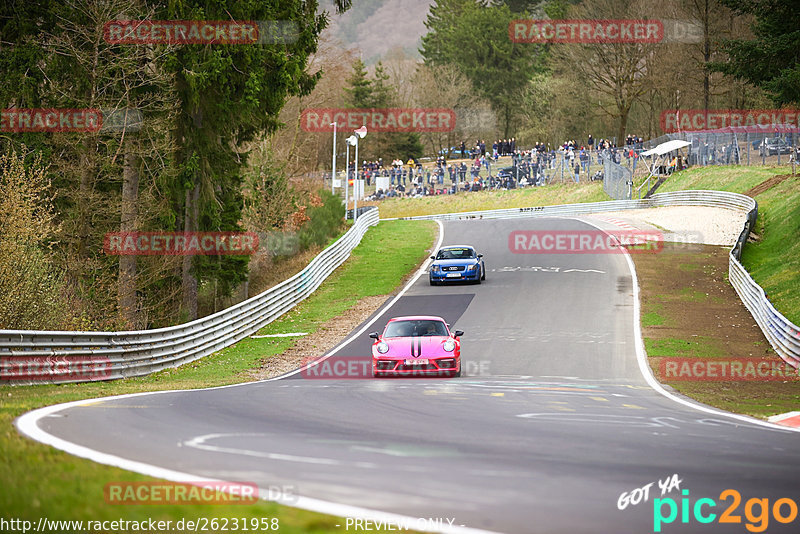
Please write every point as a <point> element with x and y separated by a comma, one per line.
<point>422,327</point>
<point>455,254</point>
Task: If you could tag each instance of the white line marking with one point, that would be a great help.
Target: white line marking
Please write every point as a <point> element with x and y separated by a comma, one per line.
<point>200,442</point>
<point>644,367</point>
<point>422,270</point>
<point>27,424</point>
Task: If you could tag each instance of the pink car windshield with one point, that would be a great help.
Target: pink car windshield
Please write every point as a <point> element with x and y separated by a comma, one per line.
<point>422,327</point>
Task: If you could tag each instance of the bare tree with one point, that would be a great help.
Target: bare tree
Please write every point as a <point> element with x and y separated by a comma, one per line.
<point>445,87</point>
<point>619,73</point>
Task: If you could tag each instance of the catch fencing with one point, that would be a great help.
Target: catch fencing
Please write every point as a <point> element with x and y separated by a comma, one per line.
<point>37,357</point>
<point>617,180</point>
<point>782,334</point>
<point>768,146</point>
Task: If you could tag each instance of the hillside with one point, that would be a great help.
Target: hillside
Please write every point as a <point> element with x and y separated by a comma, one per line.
<point>378,26</point>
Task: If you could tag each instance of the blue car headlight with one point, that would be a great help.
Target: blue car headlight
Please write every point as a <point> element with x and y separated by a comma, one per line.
<point>472,267</point>
<point>435,267</point>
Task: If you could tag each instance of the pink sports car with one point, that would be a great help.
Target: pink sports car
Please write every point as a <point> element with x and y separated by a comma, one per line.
<point>416,346</point>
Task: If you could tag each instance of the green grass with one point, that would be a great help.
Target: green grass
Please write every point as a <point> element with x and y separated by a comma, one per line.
<point>698,347</point>
<point>39,481</point>
<point>652,319</point>
<point>653,312</point>
<point>774,261</point>
<point>566,193</point>
<point>734,178</point>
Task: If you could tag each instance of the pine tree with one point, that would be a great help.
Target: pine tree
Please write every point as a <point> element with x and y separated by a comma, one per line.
<point>360,92</point>
<point>772,60</point>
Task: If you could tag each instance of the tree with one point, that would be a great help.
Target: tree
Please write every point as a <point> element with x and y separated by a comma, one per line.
<point>474,37</point>
<point>521,6</point>
<point>227,95</point>
<point>359,92</point>
<point>446,87</point>
<point>619,73</point>
<point>772,60</point>
<point>31,288</point>
<point>53,55</point>
<point>378,93</point>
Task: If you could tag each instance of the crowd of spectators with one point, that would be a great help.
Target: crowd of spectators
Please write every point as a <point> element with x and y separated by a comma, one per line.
<point>528,167</point>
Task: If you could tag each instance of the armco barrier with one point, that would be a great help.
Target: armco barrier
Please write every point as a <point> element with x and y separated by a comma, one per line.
<point>36,357</point>
<point>782,334</point>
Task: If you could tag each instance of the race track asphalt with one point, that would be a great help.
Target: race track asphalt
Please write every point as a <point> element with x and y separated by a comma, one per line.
<point>551,424</point>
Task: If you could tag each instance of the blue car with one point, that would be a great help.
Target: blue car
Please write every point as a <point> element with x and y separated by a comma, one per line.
<point>457,263</point>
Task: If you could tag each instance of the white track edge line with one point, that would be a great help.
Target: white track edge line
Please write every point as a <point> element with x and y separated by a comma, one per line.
<point>27,424</point>
<point>402,292</point>
<point>647,373</point>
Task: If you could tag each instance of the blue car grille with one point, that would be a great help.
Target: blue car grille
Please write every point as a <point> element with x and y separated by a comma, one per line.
<point>451,268</point>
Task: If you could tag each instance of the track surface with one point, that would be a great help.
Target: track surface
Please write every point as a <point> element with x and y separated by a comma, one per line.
<point>553,422</point>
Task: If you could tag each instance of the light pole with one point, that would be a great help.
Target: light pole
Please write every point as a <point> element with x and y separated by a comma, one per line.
<point>352,140</point>
<point>361,132</point>
<point>333,170</point>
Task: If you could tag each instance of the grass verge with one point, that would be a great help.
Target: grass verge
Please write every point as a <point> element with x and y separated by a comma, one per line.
<point>39,481</point>
<point>774,259</point>
<point>690,311</point>
<point>560,193</point>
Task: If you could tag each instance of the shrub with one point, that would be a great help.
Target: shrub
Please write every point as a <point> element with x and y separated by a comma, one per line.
<point>325,221</point>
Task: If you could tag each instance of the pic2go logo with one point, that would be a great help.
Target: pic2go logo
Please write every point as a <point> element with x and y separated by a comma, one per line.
<point>756,511</point>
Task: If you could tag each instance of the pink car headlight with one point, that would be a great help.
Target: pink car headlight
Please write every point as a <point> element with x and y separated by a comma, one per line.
<point>449,345</point>
<point>382,347</point>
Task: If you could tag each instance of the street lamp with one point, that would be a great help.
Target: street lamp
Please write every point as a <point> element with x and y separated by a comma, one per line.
<point>361,132</point>
<point>333,170</point>
<point>352,140</point>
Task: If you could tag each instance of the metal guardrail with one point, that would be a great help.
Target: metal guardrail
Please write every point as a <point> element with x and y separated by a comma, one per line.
<point>36,357</point>
<point>782,334</point>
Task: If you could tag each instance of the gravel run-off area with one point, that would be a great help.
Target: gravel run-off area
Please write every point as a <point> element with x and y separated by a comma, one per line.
<point>684,224</point>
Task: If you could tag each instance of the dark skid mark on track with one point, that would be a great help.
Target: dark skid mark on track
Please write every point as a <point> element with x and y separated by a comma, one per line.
<point>624,284</point>
<point>449,307</point>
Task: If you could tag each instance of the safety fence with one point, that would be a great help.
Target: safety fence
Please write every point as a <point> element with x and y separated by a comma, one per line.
<point>36,357</point>
<point>773,146</point>
<point>782,334</point>
<point>617,180</point>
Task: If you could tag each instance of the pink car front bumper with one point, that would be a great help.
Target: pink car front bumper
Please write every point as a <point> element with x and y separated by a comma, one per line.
<point>447,365</point>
